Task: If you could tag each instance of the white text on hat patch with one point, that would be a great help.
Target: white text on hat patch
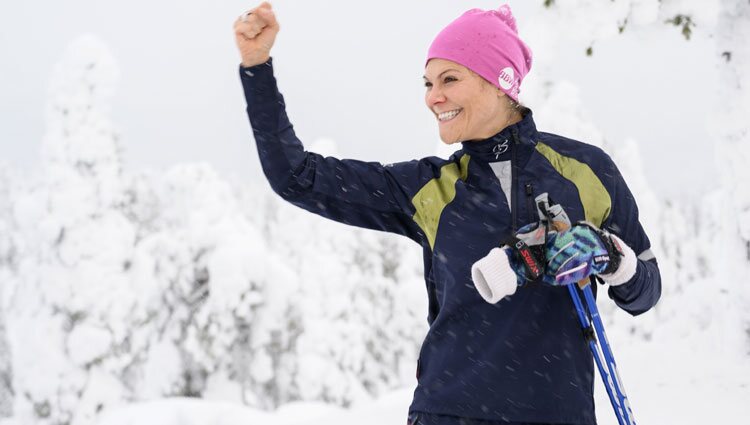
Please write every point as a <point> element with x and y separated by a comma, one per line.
<point>506,78</point>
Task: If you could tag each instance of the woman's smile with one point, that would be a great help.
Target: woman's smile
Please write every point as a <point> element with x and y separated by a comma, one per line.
<point>444,117</point>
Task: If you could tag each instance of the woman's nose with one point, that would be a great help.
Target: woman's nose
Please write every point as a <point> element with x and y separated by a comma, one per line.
<point>434,96</point>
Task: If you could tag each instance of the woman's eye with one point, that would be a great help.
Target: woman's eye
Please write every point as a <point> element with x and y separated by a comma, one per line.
<point>449,79</point>
<point>427,84</point>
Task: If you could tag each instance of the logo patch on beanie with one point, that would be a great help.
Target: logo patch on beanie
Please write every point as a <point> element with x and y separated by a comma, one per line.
<point>507,78</point>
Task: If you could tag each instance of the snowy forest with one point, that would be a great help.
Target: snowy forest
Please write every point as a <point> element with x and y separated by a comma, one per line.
<point>173,296</point>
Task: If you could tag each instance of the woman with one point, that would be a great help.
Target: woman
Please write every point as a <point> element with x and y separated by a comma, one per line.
<point>519,358</point>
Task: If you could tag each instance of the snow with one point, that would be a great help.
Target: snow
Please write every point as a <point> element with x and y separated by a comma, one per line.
<point>86,343</point>
<point>172,296</point>
<point>387,409</point>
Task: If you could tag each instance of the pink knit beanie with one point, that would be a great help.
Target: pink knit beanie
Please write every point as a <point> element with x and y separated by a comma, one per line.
<point>487,43</point>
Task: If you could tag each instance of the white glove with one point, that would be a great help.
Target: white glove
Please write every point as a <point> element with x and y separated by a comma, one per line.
<point>493,276</point>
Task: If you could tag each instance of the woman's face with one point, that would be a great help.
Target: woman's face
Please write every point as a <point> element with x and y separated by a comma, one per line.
<point>465,105</point>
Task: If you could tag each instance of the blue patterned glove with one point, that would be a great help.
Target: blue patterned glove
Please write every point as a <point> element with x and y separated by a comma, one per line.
<point>526,252</point>
<point>579,252</point>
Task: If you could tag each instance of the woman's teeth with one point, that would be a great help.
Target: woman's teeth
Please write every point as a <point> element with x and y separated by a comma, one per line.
<point>447,116</point>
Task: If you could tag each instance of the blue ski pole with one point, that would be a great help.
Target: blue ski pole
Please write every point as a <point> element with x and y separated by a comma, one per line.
<point>597,337</point>
<point>614,376</point>
<point>591,339</point>
<point>554,217</point>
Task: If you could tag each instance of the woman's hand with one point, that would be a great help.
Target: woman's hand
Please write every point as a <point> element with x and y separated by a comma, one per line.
<point>255,32</point>
<point>583,250</point>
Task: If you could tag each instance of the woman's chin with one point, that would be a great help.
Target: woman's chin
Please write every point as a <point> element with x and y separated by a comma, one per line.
<point>449,139</point>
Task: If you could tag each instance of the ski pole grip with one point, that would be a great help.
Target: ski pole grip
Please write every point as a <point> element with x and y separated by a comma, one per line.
<point>562,226</point>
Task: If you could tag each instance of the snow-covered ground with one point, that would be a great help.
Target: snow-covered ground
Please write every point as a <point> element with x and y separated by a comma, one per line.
<point>680,376</point>
<point>683,384</point>
<point>687,373</point>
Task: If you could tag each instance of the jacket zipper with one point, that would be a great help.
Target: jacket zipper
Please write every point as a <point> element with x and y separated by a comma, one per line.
<point>514,181</point>
<point>530,202</point>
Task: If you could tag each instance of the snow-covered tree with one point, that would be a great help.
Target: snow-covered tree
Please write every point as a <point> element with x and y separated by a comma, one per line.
<point>135,286</point>
<point>361,303</point>
<point>687,236</point>
<point>732,128</point>
<point>8,260</point>
<point>71,244</point>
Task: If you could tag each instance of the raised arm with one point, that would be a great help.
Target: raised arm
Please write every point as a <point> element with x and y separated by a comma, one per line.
<point>364,194</point>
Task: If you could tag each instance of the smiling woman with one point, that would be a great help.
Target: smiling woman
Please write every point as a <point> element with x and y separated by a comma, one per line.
<point>473,75</point>
<point>518,357</point>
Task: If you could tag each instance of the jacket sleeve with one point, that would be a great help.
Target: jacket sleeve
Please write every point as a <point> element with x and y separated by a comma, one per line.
<point>363,194</point>
<point>643,290</point>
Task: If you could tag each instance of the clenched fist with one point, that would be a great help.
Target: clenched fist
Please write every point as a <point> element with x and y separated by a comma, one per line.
<point>255,32</point>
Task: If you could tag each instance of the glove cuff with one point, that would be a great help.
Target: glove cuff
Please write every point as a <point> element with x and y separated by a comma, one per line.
<point>493,276</point>
<point>627,267</point>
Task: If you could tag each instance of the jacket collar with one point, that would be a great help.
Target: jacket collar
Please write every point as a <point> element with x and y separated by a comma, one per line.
<point>520,137</point>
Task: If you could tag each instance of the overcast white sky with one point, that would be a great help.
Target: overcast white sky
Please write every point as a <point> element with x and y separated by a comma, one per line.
<point>350,71</point>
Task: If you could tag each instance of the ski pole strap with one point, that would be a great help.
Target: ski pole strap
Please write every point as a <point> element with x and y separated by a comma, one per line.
<point>589,334</point>
<point>532,257</point>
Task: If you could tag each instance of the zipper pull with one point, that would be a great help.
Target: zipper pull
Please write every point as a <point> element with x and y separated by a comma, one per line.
<point>532,213</point>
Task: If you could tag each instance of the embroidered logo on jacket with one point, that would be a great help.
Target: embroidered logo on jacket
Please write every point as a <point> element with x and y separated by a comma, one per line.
<point>500,149</point>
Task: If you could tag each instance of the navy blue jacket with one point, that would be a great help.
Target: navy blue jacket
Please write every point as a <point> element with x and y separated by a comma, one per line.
<point>523,359</point>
